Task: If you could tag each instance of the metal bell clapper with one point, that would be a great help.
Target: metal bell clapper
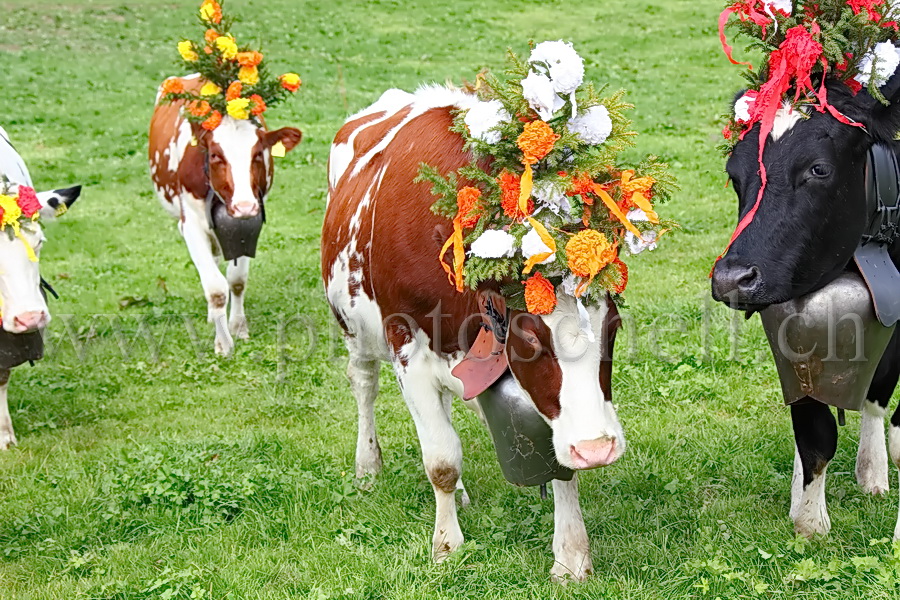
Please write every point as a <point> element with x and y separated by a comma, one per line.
<point>522,438</point>
<point>827,344</point>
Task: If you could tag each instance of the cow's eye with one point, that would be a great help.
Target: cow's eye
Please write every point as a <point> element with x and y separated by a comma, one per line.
<point>216,159</point>
<point>820,170</point>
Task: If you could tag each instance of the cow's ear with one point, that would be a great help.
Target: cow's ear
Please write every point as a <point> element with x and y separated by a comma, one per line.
<point>486,360</point>
<point>288,136</point>
<point>56,202</point>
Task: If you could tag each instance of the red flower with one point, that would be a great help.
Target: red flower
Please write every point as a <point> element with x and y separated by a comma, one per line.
<point>28,201</point>
<point>868,5</point>
<point>622,282</point>
<point>726,131</point>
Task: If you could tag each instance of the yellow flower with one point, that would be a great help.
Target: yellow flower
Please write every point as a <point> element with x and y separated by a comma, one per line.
<point>227,47</point>
<point>249,75</point>
<point>186,49</point>
<point>239,108</point>
<point>10,212</point>
<point>210,89</point>
<point>211,11</point>
<point>290,82</point>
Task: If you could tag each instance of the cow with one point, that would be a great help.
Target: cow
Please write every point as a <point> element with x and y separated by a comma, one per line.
<point>387,290</point>
<point>23,306</point>
<point>810,220</point>
<point>188,166</point>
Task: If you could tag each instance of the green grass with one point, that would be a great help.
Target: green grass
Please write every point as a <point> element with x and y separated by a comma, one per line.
<point>152,470</point>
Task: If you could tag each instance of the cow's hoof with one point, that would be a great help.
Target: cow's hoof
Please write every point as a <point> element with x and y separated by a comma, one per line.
<point>573,569</point>
<point>872,476</point>
<point>810,525</point>
<point>368,462</point>
<point>7,439</point>
<point>445,543</point>
<point>224,346</point>
<point>239,329</point>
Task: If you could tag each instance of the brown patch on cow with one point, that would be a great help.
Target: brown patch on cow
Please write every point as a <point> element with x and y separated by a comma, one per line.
<point>611,324</point>
<point>218,300</point>
<point>444,477</point>
<point>343,136</point>
<point>534,363</point>
<point>237,289</point>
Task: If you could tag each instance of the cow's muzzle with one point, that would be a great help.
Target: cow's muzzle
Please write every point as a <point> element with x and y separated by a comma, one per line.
<point>244,210</point>
<point>28,322</point>
<point>738,285</point>
<point>599,452</point>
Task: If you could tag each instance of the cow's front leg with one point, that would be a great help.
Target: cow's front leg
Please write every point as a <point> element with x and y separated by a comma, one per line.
<point>215,286</point>
<point>894,447</point>
<point>238,270</point>
<point>441,448</point>
<point>7,435</point>
<point>815,434</point>
<point>872,457</point>
<point>571,550</point>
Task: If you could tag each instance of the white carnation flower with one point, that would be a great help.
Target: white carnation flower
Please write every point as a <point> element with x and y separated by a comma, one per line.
<point>886,58</point>
<point>549,194</point>
<point>533,244</point>
<point>648,238</point>
<point>538,91</point>
<point>483,117</point>
<point>785,6</point>
<point>493,243</point>
<point>742,107</point>
<point>566,67</point>
<point>593,126</point>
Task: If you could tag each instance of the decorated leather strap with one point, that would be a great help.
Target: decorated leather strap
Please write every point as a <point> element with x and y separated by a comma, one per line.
<point>486,360</point>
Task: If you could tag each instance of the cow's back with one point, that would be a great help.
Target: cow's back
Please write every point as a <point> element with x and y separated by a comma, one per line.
<point>170,148</point>
<point>380,240</point>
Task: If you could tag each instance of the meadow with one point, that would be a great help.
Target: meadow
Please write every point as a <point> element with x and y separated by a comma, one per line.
<point>147,467</point>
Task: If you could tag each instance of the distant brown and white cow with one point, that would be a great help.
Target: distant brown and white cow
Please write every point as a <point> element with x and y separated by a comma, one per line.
<point>235,161</point>
<point>23,308</point>
<point>385,285</point>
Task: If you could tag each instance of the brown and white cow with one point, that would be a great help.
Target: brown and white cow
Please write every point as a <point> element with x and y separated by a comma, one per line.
<point>234,160</point>
<point>385,285</point>
<point>23,307</point>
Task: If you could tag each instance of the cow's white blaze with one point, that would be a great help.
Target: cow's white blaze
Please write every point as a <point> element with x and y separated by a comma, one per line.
<point>587,432</point>
<point>20,281</point>
<point>238,138</point>
<point>785,120</point>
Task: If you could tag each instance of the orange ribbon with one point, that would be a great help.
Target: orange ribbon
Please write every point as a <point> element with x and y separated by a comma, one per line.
<point>455,275</point>
<point>634,190</point>
<point>526,183</point>
<point>615,210</point>
<point>545,237</point>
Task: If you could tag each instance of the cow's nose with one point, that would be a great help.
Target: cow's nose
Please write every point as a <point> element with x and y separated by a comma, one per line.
<point>29,321</point>
<point>733,283</point>
<point>245,210</point>
<point>599,452</point>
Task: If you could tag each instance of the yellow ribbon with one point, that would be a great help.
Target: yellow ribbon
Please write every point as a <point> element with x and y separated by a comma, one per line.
<point>637,188</point>
<point>547,239</point>
<point>615,210</point>
<point>525,186</point>
<point>455,275</point>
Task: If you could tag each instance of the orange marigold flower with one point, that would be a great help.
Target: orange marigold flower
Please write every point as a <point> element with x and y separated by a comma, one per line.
<point>249,59</point>
<point>582,185</point>
<point>172,85</point>
<point>622,282</point>
<point>258,105</point>
<point>540,297</point>
<point>199,108</point>
<point>213,121</point>
<point>536,141</point>
<point>208,50</point>
<point>211,11</point>
<point>466,199</point>
<point>510,187</point>
<point>290,81</point>
<point>210,36</point>
<point>588,251</point>
<point>234,90</point>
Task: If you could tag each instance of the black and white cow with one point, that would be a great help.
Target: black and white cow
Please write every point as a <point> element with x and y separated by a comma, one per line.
<point>809,222</point>
<point>23,308</point>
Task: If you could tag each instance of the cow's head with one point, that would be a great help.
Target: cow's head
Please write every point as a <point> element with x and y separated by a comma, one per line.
<point>22,304</point>
<point>812,214</point>
<point>239,155</point>
<point>563,362</point>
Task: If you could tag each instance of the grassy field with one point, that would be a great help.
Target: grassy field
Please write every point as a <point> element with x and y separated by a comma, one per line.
<point>149,468</point>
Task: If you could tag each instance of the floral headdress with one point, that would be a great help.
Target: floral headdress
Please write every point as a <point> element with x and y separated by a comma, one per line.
<point>17,211</point>
<point>847,40</point>
<point>237,79</point>
<point>552,210</point>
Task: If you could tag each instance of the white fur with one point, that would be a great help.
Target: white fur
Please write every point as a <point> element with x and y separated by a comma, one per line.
<point>894,445</point>
<point>584,412</point>
<point>808,508</point>
<point>785,120</point>
<point>571,549</point>
<point>237,138</point>
<point>872,457</point>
